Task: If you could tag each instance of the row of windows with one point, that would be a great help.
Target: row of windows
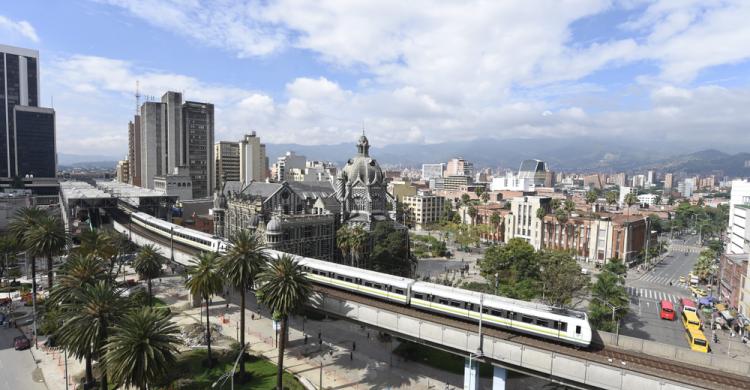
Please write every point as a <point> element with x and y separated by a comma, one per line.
<point>557,325</point>
<point>180,234</point>
<point>361,282</point>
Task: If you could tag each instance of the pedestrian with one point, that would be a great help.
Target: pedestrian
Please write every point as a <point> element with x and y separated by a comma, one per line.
<point>354,345</point>
<point>305,339</point>
<point>351,355</point>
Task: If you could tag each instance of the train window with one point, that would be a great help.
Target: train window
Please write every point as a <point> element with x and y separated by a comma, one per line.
<point>527,320</point>
<point>564,326</point>
<point>496,313</point>
<point>469,306</point>
<point>543,323</point>
<point>378,286</point>
<point>485,310</point>
<point>399,291</point>
<point>368,284</point>
<point>578,329</point>
<point>350,280</point>
<point>418,296</point>
<point>339,277</point>
<point>442,301</point>
<point>455,304</point>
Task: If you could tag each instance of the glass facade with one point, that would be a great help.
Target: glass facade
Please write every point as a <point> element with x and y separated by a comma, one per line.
<point>3,121</point>
<point>35,142</point>
<point>12,87</point>
<point>13,96</point>
<point>32,82</point>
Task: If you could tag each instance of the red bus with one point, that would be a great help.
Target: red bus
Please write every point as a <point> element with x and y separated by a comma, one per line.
<point>688,305</point>
<point>666,310</point>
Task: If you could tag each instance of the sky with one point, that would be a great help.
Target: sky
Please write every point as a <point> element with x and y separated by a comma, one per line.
<point>317,72</point>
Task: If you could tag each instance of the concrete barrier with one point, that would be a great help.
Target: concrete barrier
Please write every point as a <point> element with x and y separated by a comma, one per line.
<point>680,354</point>
<point>630,381</point>
<point>569,368</point>
<point>603,376</point>
<point>537,360</point>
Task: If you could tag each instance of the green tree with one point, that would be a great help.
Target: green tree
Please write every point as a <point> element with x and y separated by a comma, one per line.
<point>142,348</point>
<point>75,274</point>
<point>284,290</point>
<point>479,191</point>
<point>561,216</point>
<point>514,267</point>
<point>465,199</point>
<point>48,239</point>
<point>569,206</point>
<point>148,264</point>
<point>496,220</point>
<point>616,267</point>
<point>9,248</point>
<point>390,252</point>
<point>357,244</point>
<point>608,288</point>
<point>241,264</point>
<point>556,203</point>
<point>630,199</point>
<point>591,196</point>
<point>23,222</point>
<point>610,197</point>
<point>343,241</point>
<point>485,197</point>
<point>704,267</point>
<point>561,278</point>
<point>473,214</point>
<point>657,200</point>
<point>91,312</point>
<point>204,280</point>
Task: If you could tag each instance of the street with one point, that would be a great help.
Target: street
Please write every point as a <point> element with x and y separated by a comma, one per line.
<point>662,282</point>
<point>17,368</point>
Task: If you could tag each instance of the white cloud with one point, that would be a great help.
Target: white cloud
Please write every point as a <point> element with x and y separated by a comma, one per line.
<point>21,28</point>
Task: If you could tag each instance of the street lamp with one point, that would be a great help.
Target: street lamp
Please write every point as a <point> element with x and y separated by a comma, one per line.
<point>617,323</point>
<point>229,374</point>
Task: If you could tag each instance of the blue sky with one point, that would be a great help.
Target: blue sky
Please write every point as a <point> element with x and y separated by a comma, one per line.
<point>419,71</point>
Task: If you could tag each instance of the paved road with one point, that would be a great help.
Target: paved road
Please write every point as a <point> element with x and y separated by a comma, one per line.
<point>646,290</point>
<point>16,367</point>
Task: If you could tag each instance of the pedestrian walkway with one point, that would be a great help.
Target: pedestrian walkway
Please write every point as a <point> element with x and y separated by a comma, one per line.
<point>663,280</point>
<point>655,295</point>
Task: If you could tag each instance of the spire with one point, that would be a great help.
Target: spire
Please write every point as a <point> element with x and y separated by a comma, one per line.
<point>363,146</point>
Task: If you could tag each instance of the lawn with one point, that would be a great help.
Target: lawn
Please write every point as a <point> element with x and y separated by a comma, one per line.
<point>193,375</point>
<point>437,358</point>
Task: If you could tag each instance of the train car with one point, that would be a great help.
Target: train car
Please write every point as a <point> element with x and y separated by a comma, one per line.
<point>357,280</point>
<point>194,238</point>
<point>563,325</point>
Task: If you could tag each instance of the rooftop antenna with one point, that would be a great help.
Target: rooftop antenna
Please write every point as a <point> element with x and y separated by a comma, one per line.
<point>363,127</point>
<point>52,101</point>
<point>137,97</point>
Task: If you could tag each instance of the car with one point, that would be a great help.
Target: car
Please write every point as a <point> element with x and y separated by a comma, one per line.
<point>682,279</point>
<point>21,342</point>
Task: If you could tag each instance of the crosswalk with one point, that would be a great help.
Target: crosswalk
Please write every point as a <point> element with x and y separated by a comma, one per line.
<point>685,248</point>
<point>645,293</point>
<point>663,280</point>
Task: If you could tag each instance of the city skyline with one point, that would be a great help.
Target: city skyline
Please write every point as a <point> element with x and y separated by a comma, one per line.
<point>672,74</point>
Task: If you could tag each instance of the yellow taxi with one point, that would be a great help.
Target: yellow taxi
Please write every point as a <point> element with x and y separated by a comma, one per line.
<point>682,279</point>
<point>698,291</point>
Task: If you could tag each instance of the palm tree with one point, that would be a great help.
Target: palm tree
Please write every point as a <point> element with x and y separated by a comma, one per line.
<point>630,199</point>
<point>591,196</point>
<point>9,248</point>
<point>485,197</point>
<point>473,214</point>
<point>25,220</point>
<point>148,265</point>
<point>357,241</point>
<point>47,238</point>
<point>285,289</point>
<point>611,197</point>
<point>555,204</point>
<point>343,241</point>
<point>76,273</point>
<point>495,220</point>
<point>240,265</point>
<point>205,280</point>
<point>569,206</point>
<point>142,348</point>
<point>93,309</point>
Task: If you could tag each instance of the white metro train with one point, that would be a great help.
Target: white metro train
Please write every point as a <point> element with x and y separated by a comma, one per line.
<point>181,234</point>
<point>567,326</point>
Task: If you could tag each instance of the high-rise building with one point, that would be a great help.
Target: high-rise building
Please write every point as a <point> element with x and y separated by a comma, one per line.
<point>667,181</point>
<point>535,170</point>
<point>175,145</point>
<point>286,163</point>
<point>27,131</point>
<point>198,140</point>
<point>153,143</point>
<point>739,218</point>
<point>423,209</point>
<point>523,222</point>
<point>253,160</point>
<point>430,171</point>
<point>34,142</point>
<point>123,171</point>
<point>227,161</point>
<point>650,178</point>
<point>459,167</point>
<point>174,134</point>
<point>134,151</point>
<point>620,179</point>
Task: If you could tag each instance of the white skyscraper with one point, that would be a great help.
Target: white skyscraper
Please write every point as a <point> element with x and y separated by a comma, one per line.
<point>253,160</point>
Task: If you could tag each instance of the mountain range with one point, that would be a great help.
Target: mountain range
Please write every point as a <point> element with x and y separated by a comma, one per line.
<point>579,154</point>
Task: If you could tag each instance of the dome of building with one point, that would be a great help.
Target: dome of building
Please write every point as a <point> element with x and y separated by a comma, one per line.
<point>274,225</point>
<point>362,167</point>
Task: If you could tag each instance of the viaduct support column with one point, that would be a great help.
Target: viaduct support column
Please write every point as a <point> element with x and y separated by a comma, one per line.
<point>471,374</point>
<point>498,378</point>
